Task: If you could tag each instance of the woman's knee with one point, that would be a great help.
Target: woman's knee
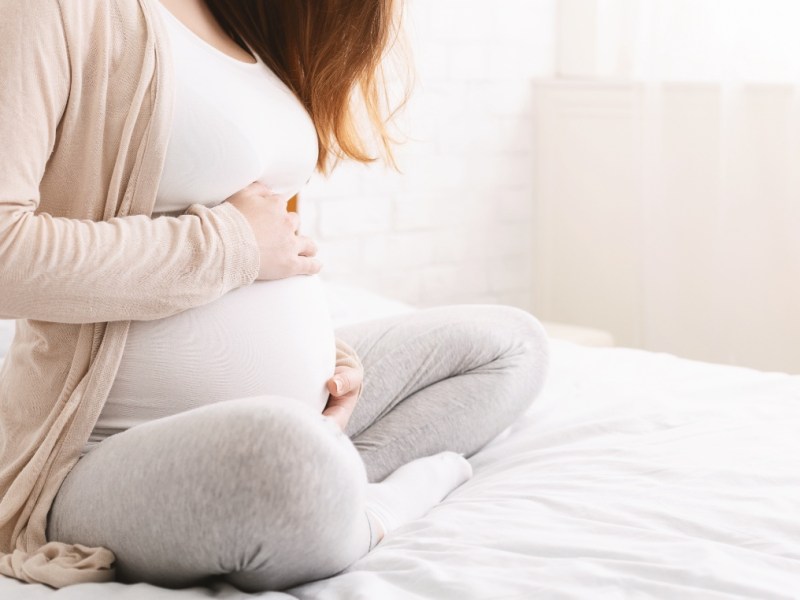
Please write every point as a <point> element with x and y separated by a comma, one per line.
<point>286,452</point>
<point>310,488</point>
<point>529,340</point>
<point>500,329</point>
<point>519,346</point>
<point>534,341</point>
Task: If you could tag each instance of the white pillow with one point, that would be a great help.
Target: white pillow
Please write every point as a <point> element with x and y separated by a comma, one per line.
<point>351,303</point>
<point>6,333</point>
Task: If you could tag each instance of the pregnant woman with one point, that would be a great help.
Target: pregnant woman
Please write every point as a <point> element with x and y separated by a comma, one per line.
<point>176,404</point>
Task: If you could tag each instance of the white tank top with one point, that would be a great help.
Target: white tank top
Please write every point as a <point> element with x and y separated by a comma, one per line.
<point>234,123</point>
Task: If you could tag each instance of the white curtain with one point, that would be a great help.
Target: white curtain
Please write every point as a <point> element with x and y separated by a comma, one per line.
<point>719,177</point>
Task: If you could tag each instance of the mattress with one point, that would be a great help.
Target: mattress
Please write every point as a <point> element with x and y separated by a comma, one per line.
<point>634,474</point>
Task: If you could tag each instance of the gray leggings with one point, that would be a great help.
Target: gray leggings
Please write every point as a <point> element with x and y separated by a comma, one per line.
<point>268,494</point>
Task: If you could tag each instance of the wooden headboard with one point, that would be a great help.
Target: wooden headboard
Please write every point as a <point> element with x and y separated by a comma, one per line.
<point>292,204</point>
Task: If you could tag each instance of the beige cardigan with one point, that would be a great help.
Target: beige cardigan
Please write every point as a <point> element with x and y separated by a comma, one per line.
<point>86,102</point>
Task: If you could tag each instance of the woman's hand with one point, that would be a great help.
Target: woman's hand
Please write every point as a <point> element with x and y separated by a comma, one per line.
<point>344,396</point>
<point>283,252</point>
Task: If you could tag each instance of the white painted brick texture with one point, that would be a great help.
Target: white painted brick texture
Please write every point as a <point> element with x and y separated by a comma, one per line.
<point>455,226</point>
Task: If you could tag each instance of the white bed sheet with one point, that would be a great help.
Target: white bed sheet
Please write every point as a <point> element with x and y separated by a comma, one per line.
<point>634,475</point>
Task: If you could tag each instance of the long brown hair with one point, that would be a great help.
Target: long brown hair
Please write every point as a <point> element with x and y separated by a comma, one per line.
<point>330,53</point>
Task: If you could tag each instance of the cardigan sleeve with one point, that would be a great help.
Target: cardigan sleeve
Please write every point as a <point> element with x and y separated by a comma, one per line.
<point>78,270</point>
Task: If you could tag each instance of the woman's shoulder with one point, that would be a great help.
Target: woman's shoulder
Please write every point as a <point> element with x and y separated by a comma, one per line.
<point>103,13</point>
<point>30,10</point>
<point>98,32</point>
<point>83,17</point>
<point>21,16</point>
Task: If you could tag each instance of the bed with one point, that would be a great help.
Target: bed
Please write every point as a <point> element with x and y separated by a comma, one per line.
<point>634,475</point>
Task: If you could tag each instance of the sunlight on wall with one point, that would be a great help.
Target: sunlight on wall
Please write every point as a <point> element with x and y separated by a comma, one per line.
<point>456,226</point>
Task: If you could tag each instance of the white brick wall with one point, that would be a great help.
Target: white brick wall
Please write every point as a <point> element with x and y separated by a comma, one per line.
<point>456,225</point>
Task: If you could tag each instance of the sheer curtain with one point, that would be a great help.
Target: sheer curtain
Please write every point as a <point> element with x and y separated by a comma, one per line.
<point>719,170</point>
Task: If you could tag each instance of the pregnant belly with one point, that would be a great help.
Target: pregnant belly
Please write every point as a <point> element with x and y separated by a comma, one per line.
<point>270,337</point>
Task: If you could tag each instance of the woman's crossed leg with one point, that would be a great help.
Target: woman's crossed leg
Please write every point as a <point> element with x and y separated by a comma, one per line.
<point>261,490</point>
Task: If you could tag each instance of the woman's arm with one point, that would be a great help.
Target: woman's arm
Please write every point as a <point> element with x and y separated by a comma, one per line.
<point>78,270</point>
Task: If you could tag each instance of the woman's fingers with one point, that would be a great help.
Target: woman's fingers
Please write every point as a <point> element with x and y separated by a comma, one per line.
<point>337,415</point>
<point>342,405</point>
<point>294,219</point>
<point>307,246</point>
<point>307,266</point>
<point>344,389</point>
<point>345,380</point>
